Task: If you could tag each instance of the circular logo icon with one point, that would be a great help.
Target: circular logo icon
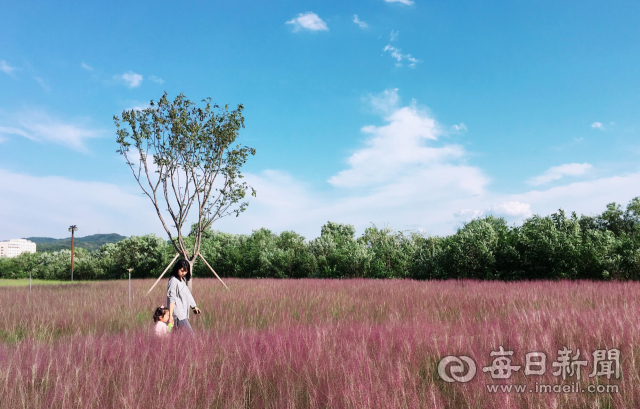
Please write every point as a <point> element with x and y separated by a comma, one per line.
<point>457,370</point>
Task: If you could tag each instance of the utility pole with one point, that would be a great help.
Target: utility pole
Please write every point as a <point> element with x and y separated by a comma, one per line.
<point>72,229</point>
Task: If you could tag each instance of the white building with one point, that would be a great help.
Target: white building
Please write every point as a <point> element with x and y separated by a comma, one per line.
<point>13,247</point>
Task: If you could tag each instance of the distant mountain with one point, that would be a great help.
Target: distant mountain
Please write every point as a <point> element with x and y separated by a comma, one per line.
<point>39,240</point>
<point>90,243</point>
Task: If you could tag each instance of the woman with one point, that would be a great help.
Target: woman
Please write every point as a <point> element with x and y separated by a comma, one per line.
<point>179,297</point>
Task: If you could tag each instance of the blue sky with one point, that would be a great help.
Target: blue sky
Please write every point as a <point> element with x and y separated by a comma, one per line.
<point>418,115</point>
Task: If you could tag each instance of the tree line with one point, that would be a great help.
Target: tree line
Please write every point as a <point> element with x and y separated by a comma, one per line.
<point>559,246</point>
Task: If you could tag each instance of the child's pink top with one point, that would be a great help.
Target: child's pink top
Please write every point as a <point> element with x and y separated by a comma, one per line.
<point>161,329</point>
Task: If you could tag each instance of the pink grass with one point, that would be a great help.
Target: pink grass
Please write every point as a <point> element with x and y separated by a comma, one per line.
<point>309,343</point>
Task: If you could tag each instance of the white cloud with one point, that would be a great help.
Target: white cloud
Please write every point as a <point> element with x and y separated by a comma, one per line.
<point>8,130</point>
<point>40,206</point>
<point>513,208</point>
<point>132,79</point>
<point>308,21</point>
<point>139,106</point>
<point>589,197</point>
<point>40,126</point>
<point>393,36</point>
<point>283,200</point>
<point>557,172</point>
<point>6,68</point>
<point>398,173</point>
<point>42,84</point>
<point>461,128</point>
<point>359,22</point>
<point>404,177</point>
<point>602,127</point>
<point>396,54</point>
<point>384,103</point>
<point>422,200</point>
<point>407,2</point>
<point>395,148</point>
<point>397,178</point>
<point>157,80</point>
<point>86,67</point>
<point>467,215</point>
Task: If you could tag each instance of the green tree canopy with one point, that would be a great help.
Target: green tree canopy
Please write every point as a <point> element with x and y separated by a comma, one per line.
<point>184,156</point>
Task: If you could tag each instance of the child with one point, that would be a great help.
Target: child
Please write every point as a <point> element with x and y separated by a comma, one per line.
<point>161,317</point>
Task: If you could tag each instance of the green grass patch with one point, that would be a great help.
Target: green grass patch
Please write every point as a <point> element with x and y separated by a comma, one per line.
<point>21,282</point>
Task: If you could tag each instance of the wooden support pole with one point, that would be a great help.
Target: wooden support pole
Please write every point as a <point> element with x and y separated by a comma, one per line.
<point>210,268</point>
<point>165,270</point>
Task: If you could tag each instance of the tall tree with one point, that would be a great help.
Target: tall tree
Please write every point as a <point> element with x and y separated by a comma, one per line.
<point>183,156</point>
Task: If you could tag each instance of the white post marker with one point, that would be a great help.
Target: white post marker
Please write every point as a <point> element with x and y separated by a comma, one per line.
<point>129,269</point>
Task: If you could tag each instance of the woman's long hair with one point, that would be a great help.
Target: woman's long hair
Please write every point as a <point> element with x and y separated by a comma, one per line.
<point>179,265</point>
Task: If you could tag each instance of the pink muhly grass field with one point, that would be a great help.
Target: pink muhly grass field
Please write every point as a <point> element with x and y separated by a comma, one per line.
<point>311,343</point>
